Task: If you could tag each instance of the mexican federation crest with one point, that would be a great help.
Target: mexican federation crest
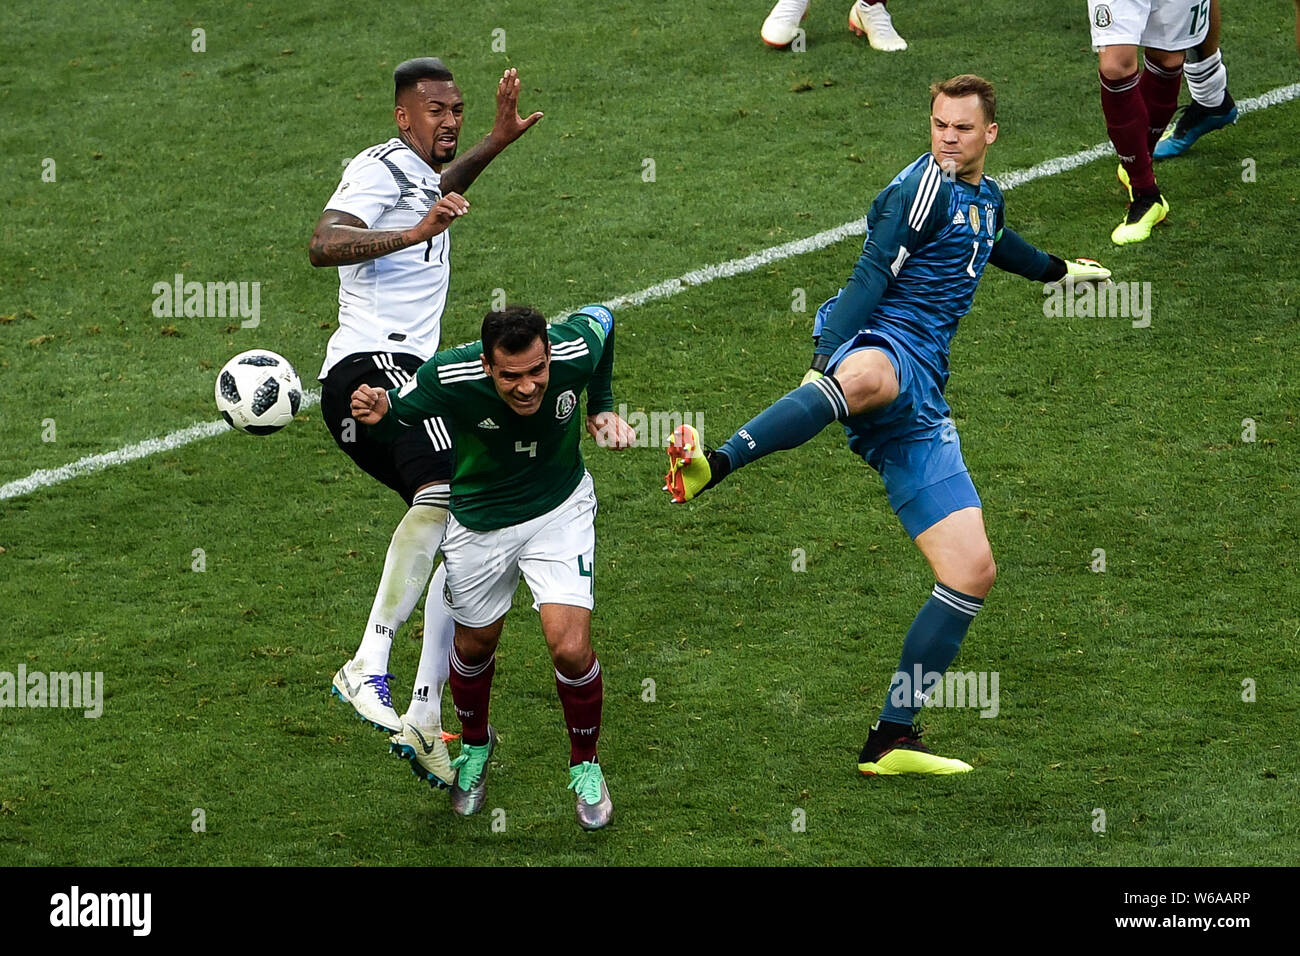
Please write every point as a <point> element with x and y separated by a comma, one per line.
<point>565,403</point>
<point>1102,17</point>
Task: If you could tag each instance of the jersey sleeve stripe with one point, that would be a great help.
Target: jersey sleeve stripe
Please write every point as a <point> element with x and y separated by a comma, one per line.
<point>465,376</point>
<point>437,434</point>
<point>921,205</point>
<point>457,366</point>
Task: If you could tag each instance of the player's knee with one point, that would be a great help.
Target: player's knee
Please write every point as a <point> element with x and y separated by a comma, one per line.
<point>1166,59</point>
<point>475,644</point>
<point>572,654</point>
<point>983,572</point>
<point>866,387</point>
<point>1118,62</point>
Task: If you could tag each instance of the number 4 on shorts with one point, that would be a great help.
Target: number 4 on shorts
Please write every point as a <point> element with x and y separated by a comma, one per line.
<point>586,573</point>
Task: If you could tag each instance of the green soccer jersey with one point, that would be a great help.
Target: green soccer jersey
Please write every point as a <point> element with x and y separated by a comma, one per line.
<point>511,468</point>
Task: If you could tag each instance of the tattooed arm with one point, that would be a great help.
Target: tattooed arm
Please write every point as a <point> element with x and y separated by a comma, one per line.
<point>342,239</point>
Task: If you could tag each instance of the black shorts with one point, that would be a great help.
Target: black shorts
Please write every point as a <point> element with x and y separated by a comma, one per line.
<point>419,456</point>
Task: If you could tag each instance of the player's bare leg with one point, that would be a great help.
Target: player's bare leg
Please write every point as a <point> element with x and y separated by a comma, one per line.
<point>582,694</point>
<point>473,663</point>
<point>363,680</point>
<point>958,551</point>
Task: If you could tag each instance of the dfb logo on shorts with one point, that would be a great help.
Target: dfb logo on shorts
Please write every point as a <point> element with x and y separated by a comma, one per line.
<point>1102,17</point>
<point>565,404</point>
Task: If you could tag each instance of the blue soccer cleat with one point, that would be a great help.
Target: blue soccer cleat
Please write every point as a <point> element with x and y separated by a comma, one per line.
<point>1194,122</point>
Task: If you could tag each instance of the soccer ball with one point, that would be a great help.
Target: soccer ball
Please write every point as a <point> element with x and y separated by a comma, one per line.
<point>258,392</point>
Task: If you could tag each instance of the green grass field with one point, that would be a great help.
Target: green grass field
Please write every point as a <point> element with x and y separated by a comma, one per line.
<point>1120,691</point>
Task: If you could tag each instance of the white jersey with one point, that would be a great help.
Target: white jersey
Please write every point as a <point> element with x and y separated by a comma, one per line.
<point>393,303</point>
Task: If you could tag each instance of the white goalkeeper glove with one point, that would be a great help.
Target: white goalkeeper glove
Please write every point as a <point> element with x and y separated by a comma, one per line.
<point>1085,270</point>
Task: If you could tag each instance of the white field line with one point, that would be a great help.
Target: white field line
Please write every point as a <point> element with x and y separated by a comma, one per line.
<point>723,270</point>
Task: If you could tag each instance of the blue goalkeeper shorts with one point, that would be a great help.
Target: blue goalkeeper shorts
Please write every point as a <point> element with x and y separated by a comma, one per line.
<point>912,442</point>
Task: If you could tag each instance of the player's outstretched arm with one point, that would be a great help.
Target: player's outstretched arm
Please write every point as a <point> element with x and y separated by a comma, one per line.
<point>1011,253</point>
<point>507,128</point>
<point>342,239</point>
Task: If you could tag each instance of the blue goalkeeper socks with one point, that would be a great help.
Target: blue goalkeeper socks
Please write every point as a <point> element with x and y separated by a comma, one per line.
<point>931,645</point>
<point>787,423</point>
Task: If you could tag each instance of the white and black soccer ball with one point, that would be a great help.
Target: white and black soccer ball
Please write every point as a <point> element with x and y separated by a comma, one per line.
<point>258,392</point>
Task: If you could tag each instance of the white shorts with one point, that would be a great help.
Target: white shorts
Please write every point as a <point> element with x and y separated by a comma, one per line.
<point>554,552</point>
<point>1161,24</point>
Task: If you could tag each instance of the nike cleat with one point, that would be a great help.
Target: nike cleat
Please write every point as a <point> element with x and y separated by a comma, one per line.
<point>369,696</point>
<point>690,468</point>
<point>782,24</point>
<point>594,807</point>
<point>469,785</point>
<point>874,22</point>
<point>426,749</point>
<point>890,752</point>
<point>1143,215</point>
<point>1194,121</point>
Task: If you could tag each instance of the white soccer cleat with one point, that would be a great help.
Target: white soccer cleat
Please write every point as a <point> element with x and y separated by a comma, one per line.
<point>782,24</point>
<point>368,695</point>
<point>874,22</point>
<point>426,748</point>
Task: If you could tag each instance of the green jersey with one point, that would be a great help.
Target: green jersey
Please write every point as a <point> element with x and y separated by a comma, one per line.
<point>511,468</point>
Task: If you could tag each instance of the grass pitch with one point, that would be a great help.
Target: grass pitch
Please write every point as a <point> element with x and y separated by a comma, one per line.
<point>1120,691</point>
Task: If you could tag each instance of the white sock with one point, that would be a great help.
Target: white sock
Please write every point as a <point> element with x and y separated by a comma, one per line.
<point>435,656</point>
<point>410,557</point>
<point>1207,80</point>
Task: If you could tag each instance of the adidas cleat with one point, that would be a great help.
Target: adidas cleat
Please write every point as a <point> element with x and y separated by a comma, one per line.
<point>1143,215</point>
<point>1194,121</point>
<point>594,807</point>
<point>874,22</point>
<point>426,749</point>
<point>369,696</point>
<point>1122,175</point>
<point>690,465</point>
<point>889,752</point>
<point>469,785</point>
<point>782,24</point>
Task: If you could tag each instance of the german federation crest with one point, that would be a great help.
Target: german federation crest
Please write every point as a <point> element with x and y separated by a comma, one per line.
<point>565,403</point>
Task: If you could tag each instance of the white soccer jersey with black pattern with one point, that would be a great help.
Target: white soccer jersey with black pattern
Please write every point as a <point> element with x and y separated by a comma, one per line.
<point>393,303</point>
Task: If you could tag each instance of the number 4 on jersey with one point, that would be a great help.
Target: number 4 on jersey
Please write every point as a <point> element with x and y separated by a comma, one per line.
<point>530,448</point>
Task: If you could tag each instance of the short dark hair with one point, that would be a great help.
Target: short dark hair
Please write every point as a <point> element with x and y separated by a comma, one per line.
<point>968,84</point>
<point>512,330</point>
<point>413,71</point>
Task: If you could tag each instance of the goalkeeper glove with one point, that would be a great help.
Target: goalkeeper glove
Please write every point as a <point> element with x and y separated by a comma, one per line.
<point>818,369</point>
<point>1084,270</point>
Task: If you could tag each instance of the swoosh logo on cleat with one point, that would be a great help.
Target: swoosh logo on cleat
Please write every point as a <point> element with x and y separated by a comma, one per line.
<point>428,747</point>
<point>349,689</point>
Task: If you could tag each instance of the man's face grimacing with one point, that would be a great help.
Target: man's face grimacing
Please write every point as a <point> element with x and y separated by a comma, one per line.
<point>430,115</point>
<point>959,136</point>
<point>521,377</point>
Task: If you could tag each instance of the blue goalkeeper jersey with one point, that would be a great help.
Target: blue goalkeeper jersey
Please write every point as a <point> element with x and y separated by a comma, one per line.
<point>929,238</point>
